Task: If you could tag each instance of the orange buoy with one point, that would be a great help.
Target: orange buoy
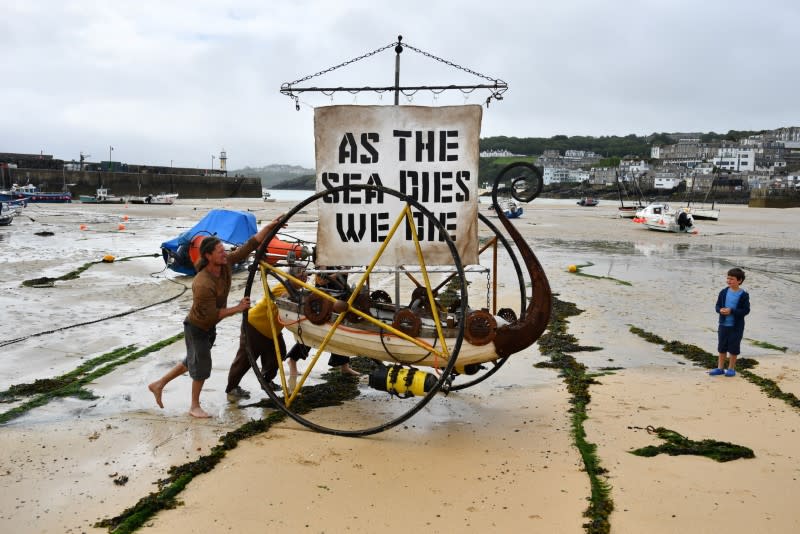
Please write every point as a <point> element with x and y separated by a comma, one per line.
<point>278,249</point>
<point>124,217</point>
<point>121,226</point>
<point>194,247</point>
<point>83,227</point>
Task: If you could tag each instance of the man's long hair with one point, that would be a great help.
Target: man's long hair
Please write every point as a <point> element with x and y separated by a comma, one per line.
<point>206,247</point>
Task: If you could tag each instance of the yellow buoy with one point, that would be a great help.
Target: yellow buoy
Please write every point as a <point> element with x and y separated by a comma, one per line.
<point>573,268</point>
<point>108,258</point>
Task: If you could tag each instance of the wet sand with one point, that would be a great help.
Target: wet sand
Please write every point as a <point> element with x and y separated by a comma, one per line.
<point>495,457</point>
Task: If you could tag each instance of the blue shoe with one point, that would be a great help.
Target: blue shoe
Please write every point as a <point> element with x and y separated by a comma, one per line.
<point>716,372</point>
<point>730,372</point>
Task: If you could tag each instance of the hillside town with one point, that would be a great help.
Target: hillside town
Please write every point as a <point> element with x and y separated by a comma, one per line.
<point>766,161</point>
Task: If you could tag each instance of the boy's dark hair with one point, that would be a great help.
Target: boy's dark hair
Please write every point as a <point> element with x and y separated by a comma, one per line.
<point>737,273</point>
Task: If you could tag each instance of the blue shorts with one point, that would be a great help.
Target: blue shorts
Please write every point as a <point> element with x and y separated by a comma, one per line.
<point>729,340</point>
<point>198,350</point>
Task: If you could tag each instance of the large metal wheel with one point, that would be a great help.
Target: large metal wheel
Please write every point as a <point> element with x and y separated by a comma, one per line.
<point>329,401</point>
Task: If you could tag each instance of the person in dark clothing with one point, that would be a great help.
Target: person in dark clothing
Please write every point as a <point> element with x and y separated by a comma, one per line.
<point>337,282</point>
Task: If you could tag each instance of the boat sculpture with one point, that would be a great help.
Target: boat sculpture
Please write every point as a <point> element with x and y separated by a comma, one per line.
<point>425,338</point>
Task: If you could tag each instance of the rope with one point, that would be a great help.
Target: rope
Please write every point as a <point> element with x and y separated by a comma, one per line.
<point>46,332</point>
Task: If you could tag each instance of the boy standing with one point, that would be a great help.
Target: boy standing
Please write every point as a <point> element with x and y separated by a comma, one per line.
<point>733,303</point>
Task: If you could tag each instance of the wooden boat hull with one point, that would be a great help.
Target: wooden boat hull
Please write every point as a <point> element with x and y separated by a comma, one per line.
<point>371,343</point>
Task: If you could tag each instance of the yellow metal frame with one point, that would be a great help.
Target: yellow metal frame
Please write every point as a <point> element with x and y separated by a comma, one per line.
<point>444,352</point>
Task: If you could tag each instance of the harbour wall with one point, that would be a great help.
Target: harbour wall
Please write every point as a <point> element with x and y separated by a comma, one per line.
<point>139,184</point>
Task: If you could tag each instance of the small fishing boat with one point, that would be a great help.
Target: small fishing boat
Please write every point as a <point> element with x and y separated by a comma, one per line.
<point>627,211</point>
<point>31,193</point>
<point>7,213</point>
<point>102,196</point>
<point>588,202</point>
<point>161,198</point>
<point>663,218</point>
<point>267,196</point>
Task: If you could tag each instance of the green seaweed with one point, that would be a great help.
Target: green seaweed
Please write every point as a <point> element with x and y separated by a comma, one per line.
<point>710,361</point>
<point>676,444</point>
<point>554,344</point>
<point>578,272</point>
<point>766,345</point>
<point>336,389</point>
<point>46,281</point>
<point>72,384</point>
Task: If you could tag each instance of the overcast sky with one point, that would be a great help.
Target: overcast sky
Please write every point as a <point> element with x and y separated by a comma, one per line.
<point>177,81</point>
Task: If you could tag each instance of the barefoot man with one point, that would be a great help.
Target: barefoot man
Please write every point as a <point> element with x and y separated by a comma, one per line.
<point>210,290</point>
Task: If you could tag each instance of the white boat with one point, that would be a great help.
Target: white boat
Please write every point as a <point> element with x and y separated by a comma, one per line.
<point>267,197</point>
<point>161,198</point>
<point>708,214</point>
<point>663,218</point>
<point>101,196</point>
<point>7,213</point>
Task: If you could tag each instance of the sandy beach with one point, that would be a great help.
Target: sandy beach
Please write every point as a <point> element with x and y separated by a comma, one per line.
<point>497,457</point>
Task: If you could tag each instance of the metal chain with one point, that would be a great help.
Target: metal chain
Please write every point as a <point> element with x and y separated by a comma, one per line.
<point>340,65</point>
<point>488,291</point>
<point>381,49</point>
<point>451,64</point>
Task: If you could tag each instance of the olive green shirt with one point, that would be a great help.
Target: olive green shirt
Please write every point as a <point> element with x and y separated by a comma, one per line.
<point>210,293</point>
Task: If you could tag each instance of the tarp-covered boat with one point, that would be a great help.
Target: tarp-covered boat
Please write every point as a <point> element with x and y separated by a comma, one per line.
<point>230,226</point>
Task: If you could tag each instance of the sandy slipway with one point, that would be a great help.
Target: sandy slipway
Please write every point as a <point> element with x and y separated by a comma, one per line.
<point>499,456</point>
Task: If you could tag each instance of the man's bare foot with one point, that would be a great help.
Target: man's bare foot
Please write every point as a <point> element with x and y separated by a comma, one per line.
<point>199,413</point>
<point>347,370</point>
<point>156,390</point>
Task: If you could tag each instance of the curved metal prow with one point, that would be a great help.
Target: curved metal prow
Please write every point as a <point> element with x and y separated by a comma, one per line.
<point>521,334</point>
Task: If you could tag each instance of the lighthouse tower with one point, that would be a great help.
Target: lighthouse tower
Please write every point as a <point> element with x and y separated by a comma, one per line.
<point>223,160</point>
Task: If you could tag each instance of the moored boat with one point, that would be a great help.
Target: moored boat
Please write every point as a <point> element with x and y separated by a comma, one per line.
<point>511,209</point>
<point>102,196</point>
<point>588,202</point>
<point>31,193</point>
<point>161,198</point>
<point>663,218</point>
<point>7,213</point>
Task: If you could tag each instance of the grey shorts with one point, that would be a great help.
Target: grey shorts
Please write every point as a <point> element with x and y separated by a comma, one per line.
<point>198,350</point>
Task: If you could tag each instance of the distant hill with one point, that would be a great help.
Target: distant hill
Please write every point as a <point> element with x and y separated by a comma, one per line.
<point>272,175</point>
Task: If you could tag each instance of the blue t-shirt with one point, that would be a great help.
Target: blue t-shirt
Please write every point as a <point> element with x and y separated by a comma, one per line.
<point>731,301</point>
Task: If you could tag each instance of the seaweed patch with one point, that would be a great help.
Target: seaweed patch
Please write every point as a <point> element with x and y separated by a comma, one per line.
<point>709,361</point>
<point>676,444</point>
<point>336,389</point>
<point>555,343</point>
<point>576,269</point>
<point>71,384</point>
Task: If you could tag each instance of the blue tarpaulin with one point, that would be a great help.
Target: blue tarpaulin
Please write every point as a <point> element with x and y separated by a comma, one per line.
<point>232,227</point>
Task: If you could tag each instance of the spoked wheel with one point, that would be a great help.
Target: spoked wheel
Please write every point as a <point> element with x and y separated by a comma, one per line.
<point>495,249</point>
<point>401,325</point>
